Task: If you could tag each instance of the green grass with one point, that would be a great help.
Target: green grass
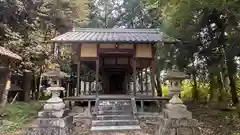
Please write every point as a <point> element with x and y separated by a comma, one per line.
<point>19,114</point>
<point>203,89</point>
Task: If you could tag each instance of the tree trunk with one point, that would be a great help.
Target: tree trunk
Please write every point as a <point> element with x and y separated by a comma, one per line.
<point>221,87</point>
<point>84,85</point>
<point>231,74</point>
<point>233,90</point>
<point>4,94</point>
<point>212,86</point>
<point>159,88</point>
<point>195,94</point>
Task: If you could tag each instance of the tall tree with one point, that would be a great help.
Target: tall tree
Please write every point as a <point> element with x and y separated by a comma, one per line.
<point>121,13</point>
<point>209,27</point>
<point>26,26</point>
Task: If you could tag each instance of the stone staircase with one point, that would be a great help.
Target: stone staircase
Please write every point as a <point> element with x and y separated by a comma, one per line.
<point>115,115</point>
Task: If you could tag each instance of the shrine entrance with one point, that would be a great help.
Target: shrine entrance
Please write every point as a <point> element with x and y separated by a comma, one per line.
<point>117,83</point>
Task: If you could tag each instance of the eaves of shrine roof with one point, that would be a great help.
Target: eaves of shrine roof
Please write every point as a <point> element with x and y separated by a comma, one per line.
<point>103,35</point>
<point>4,52</point>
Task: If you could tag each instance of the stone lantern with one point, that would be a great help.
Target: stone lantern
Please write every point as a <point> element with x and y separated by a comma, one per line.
<point>175,77</point>
<point>54,118</point>
<point>55,102</point>
<point>177,120</point>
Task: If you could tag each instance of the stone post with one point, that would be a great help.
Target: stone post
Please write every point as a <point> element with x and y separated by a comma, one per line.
<point>177,119</point>
<point>53,119</point>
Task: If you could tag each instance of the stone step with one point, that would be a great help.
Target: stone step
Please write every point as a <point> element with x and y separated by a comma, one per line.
<point>112,106</point>
<point>113,109</point>
<point>81,117</point>
<point>114,103</point>
<point>114,112</point>
<point>123,102</point>
<point>115,128</point>
<point>114,122</point>
<point>114,117</point>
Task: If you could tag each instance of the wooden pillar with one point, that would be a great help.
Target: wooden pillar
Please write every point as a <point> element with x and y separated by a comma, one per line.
<point>141,81</point>
<point>78,79</point>
<point>89,108</point>
<point>107,83</point>
<point>104,84</point>
<point>27,78</point>
<point>34,86</point>
<point>85,84</point>
<point>89,87</point>
<point>126,82</point>
<point>142,106</point>
<point>146,81</point>
<point>97,76</point>
<point>71,86</point>
<point>68,88</point>
<point>97,71</point>
<point>153,71</point>
<point>134,77</point>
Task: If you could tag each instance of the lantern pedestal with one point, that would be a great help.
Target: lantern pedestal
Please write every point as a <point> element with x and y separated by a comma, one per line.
<point>176,109</point>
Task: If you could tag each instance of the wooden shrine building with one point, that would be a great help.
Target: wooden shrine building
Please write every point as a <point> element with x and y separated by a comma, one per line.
<point>115,54</point>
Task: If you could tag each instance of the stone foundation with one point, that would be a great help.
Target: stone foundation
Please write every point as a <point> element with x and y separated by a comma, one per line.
<point>51,126</point>
<point>178,127</point>
<point>49,131</point>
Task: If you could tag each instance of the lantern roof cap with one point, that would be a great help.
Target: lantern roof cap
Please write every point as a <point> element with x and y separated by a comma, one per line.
<point>175,75</point>
<point>55,73</point>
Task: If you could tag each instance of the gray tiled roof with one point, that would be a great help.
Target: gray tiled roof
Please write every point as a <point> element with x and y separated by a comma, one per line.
<point>111,35</point>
